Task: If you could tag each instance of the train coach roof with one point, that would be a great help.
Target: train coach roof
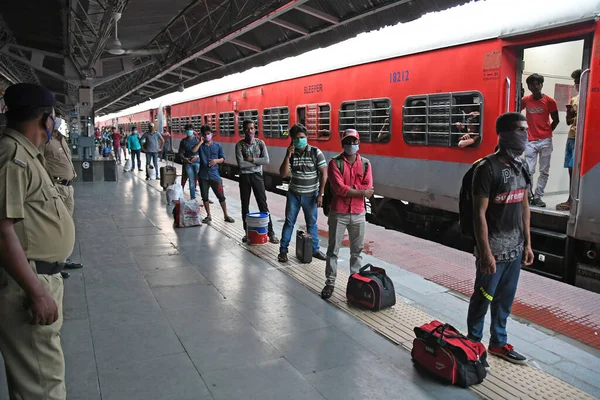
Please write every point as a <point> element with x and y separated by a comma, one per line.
<point>472,22</point>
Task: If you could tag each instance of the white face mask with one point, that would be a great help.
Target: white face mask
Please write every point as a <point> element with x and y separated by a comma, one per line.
<point>351,149</point>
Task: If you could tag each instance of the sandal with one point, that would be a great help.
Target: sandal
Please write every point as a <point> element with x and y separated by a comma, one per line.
<point>327,292</point>
<point>566,206</point>
<point>229,219</point>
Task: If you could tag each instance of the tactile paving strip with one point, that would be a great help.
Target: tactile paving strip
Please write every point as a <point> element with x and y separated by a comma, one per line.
<point>505,381</point>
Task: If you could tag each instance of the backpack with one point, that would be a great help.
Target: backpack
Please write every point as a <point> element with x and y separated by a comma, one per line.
<point>465,201</point>
<point>328,193</point>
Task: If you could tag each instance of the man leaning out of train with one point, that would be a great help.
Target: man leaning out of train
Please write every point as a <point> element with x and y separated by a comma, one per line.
<point>306,166</point>
<point>351,180</point>
<point>501,225</point>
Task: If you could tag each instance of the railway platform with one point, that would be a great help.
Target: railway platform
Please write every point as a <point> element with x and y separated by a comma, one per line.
<point>159,312</point>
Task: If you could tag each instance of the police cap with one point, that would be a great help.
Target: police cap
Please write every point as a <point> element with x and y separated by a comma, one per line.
<point>28,95</point>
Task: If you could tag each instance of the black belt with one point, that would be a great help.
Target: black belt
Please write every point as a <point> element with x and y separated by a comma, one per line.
<point>62,181</point>
<point>48,268</point>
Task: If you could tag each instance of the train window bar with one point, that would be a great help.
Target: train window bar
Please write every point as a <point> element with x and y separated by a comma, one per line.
<point>276,122</point>
<point>227,123</point>
<point>316,118</point>
<point>175,125</point>
<point>441,119</point>
<point>211,120</point>
<point>371,118</point>
<point>196,122</point>
<point>251,115</point>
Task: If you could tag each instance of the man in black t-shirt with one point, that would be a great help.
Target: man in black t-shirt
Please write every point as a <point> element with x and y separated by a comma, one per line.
<point>501,222</point>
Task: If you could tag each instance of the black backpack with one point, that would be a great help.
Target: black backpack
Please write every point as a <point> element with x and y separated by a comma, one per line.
<point>465,201</point>
<point>328,193</point>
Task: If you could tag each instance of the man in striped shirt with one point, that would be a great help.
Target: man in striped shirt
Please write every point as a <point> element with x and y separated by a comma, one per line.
<point>308,169</point>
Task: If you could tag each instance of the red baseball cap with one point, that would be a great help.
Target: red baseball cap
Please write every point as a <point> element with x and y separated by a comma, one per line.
<point>350,133</point>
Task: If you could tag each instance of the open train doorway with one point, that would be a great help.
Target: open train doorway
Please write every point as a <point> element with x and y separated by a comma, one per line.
<point>556,63</point>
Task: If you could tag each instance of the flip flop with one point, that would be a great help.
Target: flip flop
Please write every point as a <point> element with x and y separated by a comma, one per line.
<point>564,206</point>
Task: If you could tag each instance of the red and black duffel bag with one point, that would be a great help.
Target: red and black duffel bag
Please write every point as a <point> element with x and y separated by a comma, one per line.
<point>371,288</point>
<point>444,351</point>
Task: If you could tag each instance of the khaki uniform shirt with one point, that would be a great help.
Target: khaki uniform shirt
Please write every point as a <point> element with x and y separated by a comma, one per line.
<point>27,195</point>
<point>58,158</point>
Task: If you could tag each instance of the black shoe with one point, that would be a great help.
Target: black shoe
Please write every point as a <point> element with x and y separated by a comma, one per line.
<point>245,239</point>
<point>508,353</point>
<point>210,202</point>
<point>282,257</point>
<point>538,202</point>
<point>139,169</point>
<point>273,239</point>
<point>65,275</point>
<point>327,292</point>
<point>319,255</point>
<point>72,265</point>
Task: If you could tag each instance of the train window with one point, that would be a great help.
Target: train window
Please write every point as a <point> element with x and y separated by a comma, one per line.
<point>197,122</point>
<point>441,119</point>
<point>175,125</point>
<point>211,120</point>
<point>145,126</point>
<point>227,123</point>
<point>276,122</point>
<point>317,120</point>
<point>252,115</point>
<point>371,118</point>
<point>183,121</point>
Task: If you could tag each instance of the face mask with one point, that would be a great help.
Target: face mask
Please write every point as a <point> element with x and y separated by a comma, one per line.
<point>350,149</point>
<point>208,137</point>
<point>49,131</point>
<point>134,132</point>
<point>189,133</point>
<point>513,144</point>
<point>249,137</point>
<point>300,143</point>
<point>57,123</point>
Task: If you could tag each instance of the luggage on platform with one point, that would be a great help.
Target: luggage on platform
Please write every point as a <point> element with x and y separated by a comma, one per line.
<point>127,166</point>
<point>187,213</point>
<point>372,288</point>
<point>304,247</point>
<point>446,353</point>
<point>168,173</point>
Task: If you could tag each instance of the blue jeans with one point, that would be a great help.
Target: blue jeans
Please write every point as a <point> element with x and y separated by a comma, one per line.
<point>292,208</point>
<point>134,154</point>
<point>154,158</point>
<point>192,173</point>
<point>498,290</point>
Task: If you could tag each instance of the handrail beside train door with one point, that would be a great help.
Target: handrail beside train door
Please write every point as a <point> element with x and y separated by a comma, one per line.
<point>581,114</point>
<point>507,94</point>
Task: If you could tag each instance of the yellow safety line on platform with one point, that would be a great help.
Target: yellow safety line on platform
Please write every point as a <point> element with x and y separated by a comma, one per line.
<point>505,381</point>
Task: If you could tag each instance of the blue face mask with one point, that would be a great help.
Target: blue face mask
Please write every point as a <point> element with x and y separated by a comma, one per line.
<point>49,132</point>
<point>300,143</point>
<point>189,133</point>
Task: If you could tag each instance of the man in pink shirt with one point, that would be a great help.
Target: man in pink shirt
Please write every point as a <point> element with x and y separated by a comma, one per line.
<point>351,180</point>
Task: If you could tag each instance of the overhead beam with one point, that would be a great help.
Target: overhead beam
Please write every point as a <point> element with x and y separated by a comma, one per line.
<point>211,60</point>
<point>165,82</point>
<point>290,26</point>
<point>246,45</point>
<point>234,35</point>
<point>32,50</point>
<point>319,14</point>
<point>177,74</point>
<point>34,65</point>
<point>125,71</point>
<point>191,71</point>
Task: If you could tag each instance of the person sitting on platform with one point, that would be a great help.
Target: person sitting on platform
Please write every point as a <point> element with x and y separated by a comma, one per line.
<point>211,155</point>
<point>503,241</point>
<point>307,168</point>
<point>251,154</point>
<point>350,185</point>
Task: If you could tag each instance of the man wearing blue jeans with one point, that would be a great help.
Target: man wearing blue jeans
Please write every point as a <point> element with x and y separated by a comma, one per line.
<point>188,152</point>
<point>307,167</point>
<point>152,143</point>
<point>501,225</point>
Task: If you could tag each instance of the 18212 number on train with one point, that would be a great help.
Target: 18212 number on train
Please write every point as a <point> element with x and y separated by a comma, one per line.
<point>399,76</point>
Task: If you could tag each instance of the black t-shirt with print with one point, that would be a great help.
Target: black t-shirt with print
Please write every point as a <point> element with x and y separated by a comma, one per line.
<point>506,188</point>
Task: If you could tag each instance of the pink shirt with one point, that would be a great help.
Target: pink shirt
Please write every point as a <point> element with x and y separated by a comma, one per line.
<point>353,179</point>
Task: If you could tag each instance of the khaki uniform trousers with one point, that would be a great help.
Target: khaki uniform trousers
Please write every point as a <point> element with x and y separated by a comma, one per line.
<point>67,193</point>
<point>35,364</point>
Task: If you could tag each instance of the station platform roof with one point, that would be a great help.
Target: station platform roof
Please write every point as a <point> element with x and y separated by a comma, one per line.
<point>166,44</point>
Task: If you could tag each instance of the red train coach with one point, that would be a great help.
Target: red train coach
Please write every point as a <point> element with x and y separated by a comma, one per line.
<point>410,112</point>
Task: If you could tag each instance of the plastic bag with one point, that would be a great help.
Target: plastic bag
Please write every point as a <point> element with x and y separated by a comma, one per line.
<point>127,166</point>
<point>174,193</point>
<point>187,213</point>
<point>151,172</point>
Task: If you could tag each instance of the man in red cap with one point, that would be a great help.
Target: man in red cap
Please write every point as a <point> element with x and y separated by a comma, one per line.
<point>351,181</point>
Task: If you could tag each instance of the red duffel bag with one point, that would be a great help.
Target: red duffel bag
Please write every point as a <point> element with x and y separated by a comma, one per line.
<point>452,357</point>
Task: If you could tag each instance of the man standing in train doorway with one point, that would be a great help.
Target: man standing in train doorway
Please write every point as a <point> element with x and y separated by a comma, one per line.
<point>37,234</point>
<point>570,146</point>
<point>307,167</point>
<point>211,155</point>
<point>501,225</point>
<point>251,154</point>
<point>351,180</point>
<point>152,144</point>
<point>60,168</point>
<point>539,109</point>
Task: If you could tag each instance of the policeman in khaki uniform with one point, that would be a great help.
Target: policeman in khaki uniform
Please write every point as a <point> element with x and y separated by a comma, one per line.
<point>37,234</point>
<point>60,167</point>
